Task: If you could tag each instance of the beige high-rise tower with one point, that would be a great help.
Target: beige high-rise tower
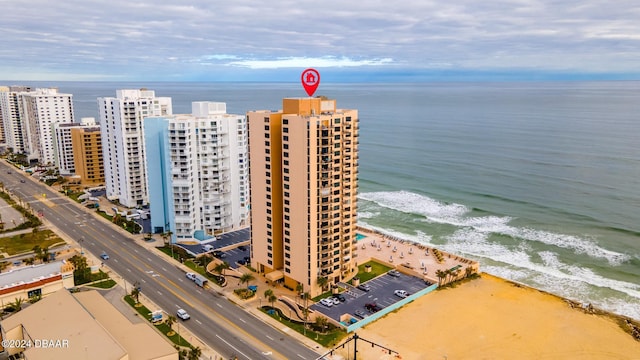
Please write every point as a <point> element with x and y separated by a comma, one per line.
<point>304,182</point>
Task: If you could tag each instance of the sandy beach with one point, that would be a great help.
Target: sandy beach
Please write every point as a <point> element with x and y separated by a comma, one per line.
<point>491,318</point>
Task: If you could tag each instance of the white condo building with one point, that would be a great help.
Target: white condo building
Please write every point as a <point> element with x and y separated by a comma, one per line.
<point>13,128</point>
<point>121,129</point>
<point>198,171</point>
<point>63,149</point>
<point>29,117</point>
<point>43,109</point>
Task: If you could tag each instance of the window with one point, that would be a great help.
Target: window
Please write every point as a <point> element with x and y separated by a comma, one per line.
<point>285,129</point>
<point>285,121</point>
<point>285,138</point>
<point>266,143</point>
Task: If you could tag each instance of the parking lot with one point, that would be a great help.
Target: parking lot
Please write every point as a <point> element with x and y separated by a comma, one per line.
<point>231,240</point>
<point>381,293</point>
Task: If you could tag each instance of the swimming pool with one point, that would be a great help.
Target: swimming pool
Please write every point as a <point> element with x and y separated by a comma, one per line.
<point>360,236</point>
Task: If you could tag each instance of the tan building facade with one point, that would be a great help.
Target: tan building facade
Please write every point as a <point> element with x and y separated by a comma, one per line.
<point>87,155</point>
<point>304,183</point>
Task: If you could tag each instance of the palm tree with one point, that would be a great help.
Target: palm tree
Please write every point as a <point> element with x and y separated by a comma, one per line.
<point>44,255</point>
<point>305,310</point>
<point>135,293</point>
<point>321,322</point>
<point>299,289</point>
<point>246,278</point>
<point>221,267</point>
<point>17,304</point>
<point>29,261</point>
<point>80,265</point>
<point>195,353</point>
<point>441,275</point>
<point>468,271</point>
<point>322,282</point>
<point>268,293</point>
<point>272,299</point>
<point>170,321</point>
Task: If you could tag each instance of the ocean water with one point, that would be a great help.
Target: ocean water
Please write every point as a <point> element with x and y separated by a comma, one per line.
<point>539,182</point>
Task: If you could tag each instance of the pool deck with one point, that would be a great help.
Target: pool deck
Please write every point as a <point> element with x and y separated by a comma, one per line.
<point>409,257</point>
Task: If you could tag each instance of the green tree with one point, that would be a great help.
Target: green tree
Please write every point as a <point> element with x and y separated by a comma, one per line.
<point>80,265</point>
<point>272,299</point>
<point>195,353</point>
<point>170,321</point>
<point>322,282</point>
<point>135,293</point>
<point>29,261</point>
<point>321,322</point>
<point>246,278</point>
<point>441,275</point>
<point>268,293</point>
<point>468,271</point>
<point>17,304</point>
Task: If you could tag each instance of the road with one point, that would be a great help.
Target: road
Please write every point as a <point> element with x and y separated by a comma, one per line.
<point>220,324</point>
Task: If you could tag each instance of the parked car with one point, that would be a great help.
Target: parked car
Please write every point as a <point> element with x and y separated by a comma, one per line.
<point>401,293</point>
<point>340,297</point>
<point>360,314</point>
<point>219,254</point>
<point>22,181</point>
<point>364,287</point>
<point>394,273</point>
<point>104,256</point>
<point>191,276</point>
<point>242,262</point>
<point>242,248</point>
<point>372,307</point>
<point>326,302</point>
<point>334,300</point>
<point>182,314</point>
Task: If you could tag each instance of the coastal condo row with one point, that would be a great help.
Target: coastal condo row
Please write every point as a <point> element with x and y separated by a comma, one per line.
<point>192,171</point>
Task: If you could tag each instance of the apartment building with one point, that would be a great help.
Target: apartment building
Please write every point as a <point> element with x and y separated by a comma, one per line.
<point>63,149</point>
<point>304,182</point>
<point>121,127</point>
<point>43,108</point>
<point>198,171</point>
<point>13,126</point>
<point>86,143</point>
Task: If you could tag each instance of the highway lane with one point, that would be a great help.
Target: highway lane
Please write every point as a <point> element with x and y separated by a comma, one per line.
<point>219,323</point>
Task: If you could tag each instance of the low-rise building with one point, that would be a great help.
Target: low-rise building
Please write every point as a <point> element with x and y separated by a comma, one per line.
<point>83,325</point>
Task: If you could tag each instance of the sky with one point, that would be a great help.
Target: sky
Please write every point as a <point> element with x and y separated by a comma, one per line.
<point>349,41</point>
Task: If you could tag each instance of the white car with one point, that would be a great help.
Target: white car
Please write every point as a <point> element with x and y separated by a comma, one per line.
<point>182,314</point>
<point>191,276</point>
<point>401,293</point>
<point>334,300</point>
<point>326,302</point>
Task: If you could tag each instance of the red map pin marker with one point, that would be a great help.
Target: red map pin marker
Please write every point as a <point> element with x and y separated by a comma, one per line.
<point>310,80</point>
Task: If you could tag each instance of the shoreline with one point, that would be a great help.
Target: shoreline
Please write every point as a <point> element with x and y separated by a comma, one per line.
<point>494,318</point>
<point>574,302</point>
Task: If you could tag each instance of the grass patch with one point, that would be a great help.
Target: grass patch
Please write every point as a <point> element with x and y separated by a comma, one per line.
<point>75,195</point>
<point>105,284</point>
<point>162,327</point>
<point>328,339</point>
<point>80,278</point>
<point>377,269</point>
<point>22,243</point>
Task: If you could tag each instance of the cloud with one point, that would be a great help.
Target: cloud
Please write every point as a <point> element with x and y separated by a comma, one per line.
<point>147,39</point>
<point>302,62</point>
